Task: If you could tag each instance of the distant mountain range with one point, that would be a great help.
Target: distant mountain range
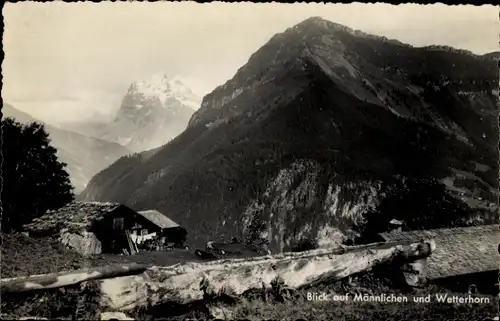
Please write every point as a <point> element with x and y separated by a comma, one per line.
<point>152,113</point>
<point>326,133</point>
<point>85,156</point>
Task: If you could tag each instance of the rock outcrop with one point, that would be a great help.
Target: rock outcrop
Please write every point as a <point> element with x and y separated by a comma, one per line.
<point>83,242</point>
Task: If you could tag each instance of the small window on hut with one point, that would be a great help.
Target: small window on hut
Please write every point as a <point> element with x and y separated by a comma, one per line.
<point>144,231</point>
<point>118,223</point>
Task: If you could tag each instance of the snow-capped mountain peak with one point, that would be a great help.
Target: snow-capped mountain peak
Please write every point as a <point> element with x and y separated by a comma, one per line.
<point>165,88</point>
<point>152,111</point>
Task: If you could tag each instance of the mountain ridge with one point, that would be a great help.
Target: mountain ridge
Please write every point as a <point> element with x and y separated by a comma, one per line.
<point>302,48</point>
<point>318,137</point>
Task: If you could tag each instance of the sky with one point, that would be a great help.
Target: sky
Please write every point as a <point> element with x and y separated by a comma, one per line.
<point>75,61</point>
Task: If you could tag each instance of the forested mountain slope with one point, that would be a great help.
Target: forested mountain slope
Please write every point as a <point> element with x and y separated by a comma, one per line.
<point>327,133</point>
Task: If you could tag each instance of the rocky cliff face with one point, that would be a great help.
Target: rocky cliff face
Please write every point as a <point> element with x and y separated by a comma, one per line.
<point>327,133</point>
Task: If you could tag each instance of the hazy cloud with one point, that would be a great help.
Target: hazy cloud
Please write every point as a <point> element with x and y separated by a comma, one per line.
<point>71,60</point>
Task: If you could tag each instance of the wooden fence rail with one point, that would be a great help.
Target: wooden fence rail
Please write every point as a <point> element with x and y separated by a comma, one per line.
<point>60,279</point>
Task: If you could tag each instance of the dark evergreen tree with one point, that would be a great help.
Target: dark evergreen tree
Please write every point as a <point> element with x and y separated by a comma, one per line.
<point>34,180</point>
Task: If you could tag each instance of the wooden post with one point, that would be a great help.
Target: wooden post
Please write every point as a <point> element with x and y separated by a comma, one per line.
<point>415,273</point>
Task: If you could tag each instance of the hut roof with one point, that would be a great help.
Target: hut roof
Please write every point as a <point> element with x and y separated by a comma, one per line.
<point>157,218</point>
<point>75,215</point>
<point>459,251</point>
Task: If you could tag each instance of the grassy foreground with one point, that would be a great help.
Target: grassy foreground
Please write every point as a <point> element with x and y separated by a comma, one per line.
<point>22,256</point>
<point>301,309</point>
<point>311,310</point>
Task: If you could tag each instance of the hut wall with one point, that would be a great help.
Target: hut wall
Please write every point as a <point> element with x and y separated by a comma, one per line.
<point>176,235</point>
<point>111,230</point>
